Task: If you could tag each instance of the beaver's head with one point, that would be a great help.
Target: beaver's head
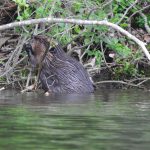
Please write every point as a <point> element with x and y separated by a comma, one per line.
<point>36,48</point>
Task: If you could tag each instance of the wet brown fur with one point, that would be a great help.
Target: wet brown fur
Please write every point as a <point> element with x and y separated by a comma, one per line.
<point>39,46</point>
<point>60,73</point>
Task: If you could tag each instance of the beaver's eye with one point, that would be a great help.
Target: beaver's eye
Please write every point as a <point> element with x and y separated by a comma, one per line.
<point>52,50</point>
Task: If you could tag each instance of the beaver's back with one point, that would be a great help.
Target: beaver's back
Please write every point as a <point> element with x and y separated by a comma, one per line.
<point>60,73</point>
<point>65,74</point>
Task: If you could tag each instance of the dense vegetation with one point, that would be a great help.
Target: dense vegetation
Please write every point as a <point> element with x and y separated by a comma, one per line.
<point>106,53</point>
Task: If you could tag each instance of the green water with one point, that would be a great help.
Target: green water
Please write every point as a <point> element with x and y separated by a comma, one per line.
<point>106,120</point>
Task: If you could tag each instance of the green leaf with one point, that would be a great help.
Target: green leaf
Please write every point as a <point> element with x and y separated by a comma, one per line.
<point>77,29</point>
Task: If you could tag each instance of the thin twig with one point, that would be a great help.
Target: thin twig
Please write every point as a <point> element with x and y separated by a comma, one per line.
<point>142,82</point>
<point>29,77</point>
<point>101,43</point>
<point>138,79</point>
<point>98,8</point>
<point>127,10</point>
<point>138,11</point>
<point>86,49</point>
<point>146,7</point>
<point>146,22</point>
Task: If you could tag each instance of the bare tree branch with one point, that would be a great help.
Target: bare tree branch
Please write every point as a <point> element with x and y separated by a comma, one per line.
<point>119,82</point>
<point>80,22</point>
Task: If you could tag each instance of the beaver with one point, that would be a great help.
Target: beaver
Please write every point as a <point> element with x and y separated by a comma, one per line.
<point>60,73</point>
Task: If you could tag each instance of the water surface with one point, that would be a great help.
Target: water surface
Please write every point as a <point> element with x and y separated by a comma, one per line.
<point>105,120</point>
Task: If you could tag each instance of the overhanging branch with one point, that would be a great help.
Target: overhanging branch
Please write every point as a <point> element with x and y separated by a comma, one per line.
<point>80,22</point>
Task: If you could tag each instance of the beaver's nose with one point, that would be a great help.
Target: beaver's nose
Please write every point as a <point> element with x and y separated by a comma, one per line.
<point>28,48</point>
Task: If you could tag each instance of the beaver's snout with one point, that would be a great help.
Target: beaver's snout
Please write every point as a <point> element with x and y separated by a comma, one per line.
<point>28,48</point>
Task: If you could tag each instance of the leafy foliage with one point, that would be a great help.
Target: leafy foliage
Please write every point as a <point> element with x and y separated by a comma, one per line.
<point>84,36</point>
<point>119,48</point>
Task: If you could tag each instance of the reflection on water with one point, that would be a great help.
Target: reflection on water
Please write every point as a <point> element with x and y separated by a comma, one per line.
<point>106,120</point>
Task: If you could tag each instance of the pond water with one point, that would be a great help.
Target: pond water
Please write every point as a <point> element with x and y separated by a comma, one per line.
<point>105,120</point>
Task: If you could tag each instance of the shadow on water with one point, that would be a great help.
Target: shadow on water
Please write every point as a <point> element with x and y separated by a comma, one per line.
<point>105,120</point>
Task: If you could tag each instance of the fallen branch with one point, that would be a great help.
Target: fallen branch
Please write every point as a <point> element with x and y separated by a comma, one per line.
<point>119,82</point>
<point>80,22</point>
